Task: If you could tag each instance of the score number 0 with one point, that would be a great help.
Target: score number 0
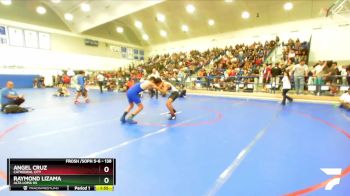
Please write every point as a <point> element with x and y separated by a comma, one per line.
<point>106,179</point>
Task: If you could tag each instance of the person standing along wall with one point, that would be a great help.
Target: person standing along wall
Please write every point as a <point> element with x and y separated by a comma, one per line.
<point>276,73</point>
<point>100,81</point>
<point>299,77</point>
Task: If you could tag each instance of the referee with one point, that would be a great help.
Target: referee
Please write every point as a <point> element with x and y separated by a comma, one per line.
<point>100,81</point>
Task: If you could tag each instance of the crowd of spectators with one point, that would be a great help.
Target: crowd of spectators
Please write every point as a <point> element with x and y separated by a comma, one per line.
<point>231,72</point>
<point>177,67</point>
<point>225,68</point>
<point>296,50</point>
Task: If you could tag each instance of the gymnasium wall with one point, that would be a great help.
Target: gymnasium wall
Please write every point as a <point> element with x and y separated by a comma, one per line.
<point>330,38</point>
<point>331,44</point>
<point>36,60</point>
<point>68,51</point>
<point>21,81</point>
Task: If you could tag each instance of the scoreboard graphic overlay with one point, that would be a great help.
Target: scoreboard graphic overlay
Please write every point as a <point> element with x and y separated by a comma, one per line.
<point>73,174</point>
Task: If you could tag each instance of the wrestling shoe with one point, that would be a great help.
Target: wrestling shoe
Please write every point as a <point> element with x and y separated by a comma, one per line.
<point>131,121</point>
<point>122,119</point>
<point>172,118</point>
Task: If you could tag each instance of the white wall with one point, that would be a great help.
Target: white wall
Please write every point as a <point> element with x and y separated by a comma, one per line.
<point>68,51</point>
<point>331,44</point>
<point>46,59</point>
<point>323,32</point>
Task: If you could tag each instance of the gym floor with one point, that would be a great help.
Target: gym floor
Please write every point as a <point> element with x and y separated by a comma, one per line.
<point>217,146</point>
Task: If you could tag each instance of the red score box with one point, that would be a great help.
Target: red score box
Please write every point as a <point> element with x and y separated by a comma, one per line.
<point>77,169</point>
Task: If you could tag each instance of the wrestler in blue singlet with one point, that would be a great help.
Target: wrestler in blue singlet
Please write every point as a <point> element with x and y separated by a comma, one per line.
<point>133,97</point>
<point>133,93</point>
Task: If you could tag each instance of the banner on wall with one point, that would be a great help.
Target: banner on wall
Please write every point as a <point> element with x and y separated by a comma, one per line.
<point>136,54</point>
<point>130,53</point>
<point>127,53</point>
<point>90,42</point>
<point>16,36</point>
<point>124,52</point>
<point>116,50</point>
<point>141,54</point>
<point>31,39</point>
<point>44,41</point>
<point>24,38</point>
<point>3,35</point>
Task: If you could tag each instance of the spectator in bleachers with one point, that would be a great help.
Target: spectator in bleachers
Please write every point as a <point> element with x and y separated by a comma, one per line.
<point>291,54</point>
<point>289,64</point>
<point>181,76</point>
<point>238,61</point>
<point>154,74</point>
<point>302,56</point>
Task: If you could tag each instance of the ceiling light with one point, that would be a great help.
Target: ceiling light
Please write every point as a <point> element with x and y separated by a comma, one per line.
<point>56,1</point>
<point>145,37</point>
<point>68,16</point>
<point>245,15</point>
<point>6,2</point>
<point>184,28</point>
<point>228,1</point>
<point>288,6</point>
<point>163,33</point>
<point>41,10</point>
<point>190,8</point>
<point>85,7</point>
<point>211,22</point>
<point>138,24</point>
<point>160,17</point>
<point>120,29</point>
